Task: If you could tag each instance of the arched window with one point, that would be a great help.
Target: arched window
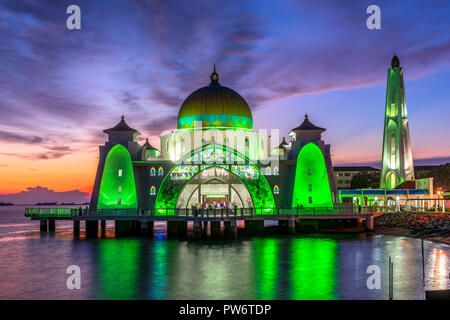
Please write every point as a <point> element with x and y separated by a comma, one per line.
<point>275,171</point>
<point>160,171</point>
<point>268,171</point>
<point>276,190</point>
<point>152,190</point>
<point>152,171</point>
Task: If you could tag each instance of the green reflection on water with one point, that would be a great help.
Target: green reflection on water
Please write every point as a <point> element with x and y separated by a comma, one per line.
<point>265,253</point>
<point>312,271</point>
<point>119,269</point>
<point>159,269</point>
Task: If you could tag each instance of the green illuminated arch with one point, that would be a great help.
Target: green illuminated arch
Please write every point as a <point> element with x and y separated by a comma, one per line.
<point>117,189</point>
<point>311,187</point>
<point>258,187</point>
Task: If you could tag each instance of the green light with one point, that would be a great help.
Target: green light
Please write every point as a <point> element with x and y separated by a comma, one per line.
<point>119,269</point>
<point>265,254</point>
<point>311,187</point>
<point>117,189</point>
<point>313,269</point>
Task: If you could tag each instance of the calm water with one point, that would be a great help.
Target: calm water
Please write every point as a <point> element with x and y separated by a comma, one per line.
<point>286,267</point>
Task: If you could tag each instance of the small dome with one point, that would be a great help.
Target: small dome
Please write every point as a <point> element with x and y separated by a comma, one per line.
<point>395,62</point>
<point>215,106</point>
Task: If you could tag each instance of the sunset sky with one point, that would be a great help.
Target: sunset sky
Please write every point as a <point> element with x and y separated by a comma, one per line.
<point>60,88</point>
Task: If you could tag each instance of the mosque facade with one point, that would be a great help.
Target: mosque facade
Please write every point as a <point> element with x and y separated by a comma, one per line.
<point>215,156</point>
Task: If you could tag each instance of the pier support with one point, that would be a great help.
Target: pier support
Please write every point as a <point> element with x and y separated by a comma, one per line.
<point>233,229</point>
<point>182,229</point>
<point>76,229</point>
<point>146,229</point>
<point>369,222</point>
<point>197,229</point>
<point>43,225</point>
<point>205,228</point>
<point>172,229</point>
<point>103,228</point>
<point>282,226</point>
<point>291,225</point>
<point>91,228</point>
<point>51,225</point>
<point>215,229</point>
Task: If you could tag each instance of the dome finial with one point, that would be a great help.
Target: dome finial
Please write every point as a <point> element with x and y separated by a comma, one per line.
<point>395,62</point>
<point>306,117</point>
<point>214,77</point>
<point>122,117</point>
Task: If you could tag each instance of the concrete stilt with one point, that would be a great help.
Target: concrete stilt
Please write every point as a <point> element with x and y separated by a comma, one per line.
<point>258,226</point>
<point>76,229</point>
<point>103,228</point>
<point>369,222</point>
<point>291,225</point>
<point>215,229</point>
<point>233,229</point>
<point>182,229</point>
<point>134,228</point>
<point>282,226</point>
<point>205,228</point>
<point>172,229</point>
<point>91,228</point>
<point>43,225</point>
<point>226,229</point>
<point>248,226</point>
<point>121,228</point>
<point>197,229</point>
<point>51,225</point>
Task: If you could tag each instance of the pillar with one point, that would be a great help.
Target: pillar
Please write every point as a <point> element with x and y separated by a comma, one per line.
<point>91,228</point>
<point>182,229</point>
<point>291,225</point>
<point>233,229</point>
<point>103,228</point>
<point>171,229</point>
<point>146,228</point>
<point>76,229</point>
<point>205,228</point>
<point>443,205</point>
<point>134,227</point>
<point>248,226</point>
<point>197,229</point>
<point>51,225</point>
<point>258,225</point>
<point>227,229</point>
<point>215,229</point>
<point>369,222</point>
<point>121,228</point>
<point>282,226</point>
<point>43,224</point>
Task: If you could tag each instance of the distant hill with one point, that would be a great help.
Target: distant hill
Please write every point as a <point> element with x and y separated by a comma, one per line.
<point>42,194</point>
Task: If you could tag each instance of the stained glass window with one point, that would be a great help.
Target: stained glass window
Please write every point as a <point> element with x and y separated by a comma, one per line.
<point>152,171</point>
<point>276,190</point>
<point>275,171</point>
<point>183,172</point>
<point>152,190</point>
<point>160,171</point>
<point>268,171</point>
<point>245,171</point>
<point>218,156</point>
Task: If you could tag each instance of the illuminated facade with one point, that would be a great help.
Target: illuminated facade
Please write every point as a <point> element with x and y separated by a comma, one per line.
<point>396,160</point>
<point>214,156</point>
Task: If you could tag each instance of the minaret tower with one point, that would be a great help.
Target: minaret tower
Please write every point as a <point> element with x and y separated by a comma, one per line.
<point>396,159</point>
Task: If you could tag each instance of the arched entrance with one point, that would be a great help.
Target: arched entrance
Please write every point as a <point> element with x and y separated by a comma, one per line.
<point>214,156</point>
<point>215,185</point>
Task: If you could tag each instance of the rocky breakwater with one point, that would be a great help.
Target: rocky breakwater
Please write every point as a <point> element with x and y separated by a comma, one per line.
<point>429,225</point>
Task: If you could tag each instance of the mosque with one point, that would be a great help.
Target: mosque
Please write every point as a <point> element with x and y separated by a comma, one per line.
<point>215,156</point>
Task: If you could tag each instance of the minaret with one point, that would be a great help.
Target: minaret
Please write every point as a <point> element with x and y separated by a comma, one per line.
<point>396,159</point>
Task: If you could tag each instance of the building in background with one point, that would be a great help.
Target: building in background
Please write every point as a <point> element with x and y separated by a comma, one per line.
<point>345,174</point>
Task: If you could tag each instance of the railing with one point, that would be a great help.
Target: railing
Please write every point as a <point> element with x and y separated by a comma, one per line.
<point>201,212</point>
